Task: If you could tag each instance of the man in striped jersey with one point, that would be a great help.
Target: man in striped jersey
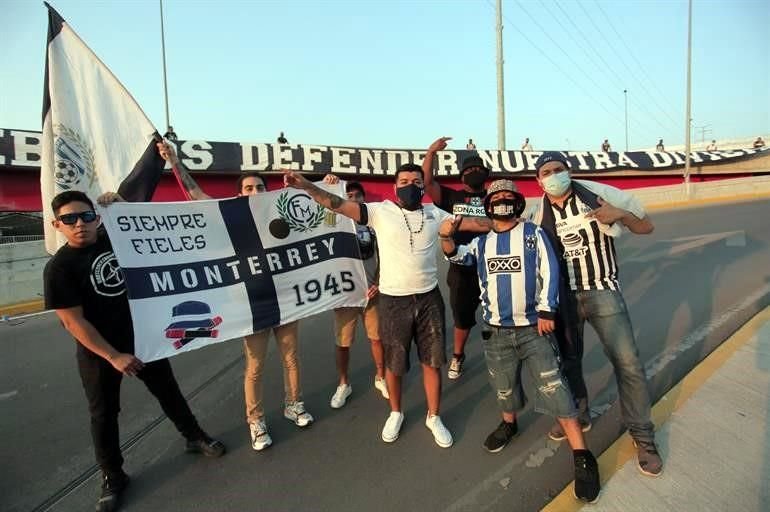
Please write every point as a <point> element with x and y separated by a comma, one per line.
<point>582,218</point>
<point>519,281</point>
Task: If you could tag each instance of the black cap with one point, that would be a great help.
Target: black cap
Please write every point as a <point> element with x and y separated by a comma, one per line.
<point>473,161</point>
<point>551,156</point>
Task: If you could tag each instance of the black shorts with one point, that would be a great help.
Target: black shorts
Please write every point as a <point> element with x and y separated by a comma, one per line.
<point>419,317</point>
<point>464,294</point>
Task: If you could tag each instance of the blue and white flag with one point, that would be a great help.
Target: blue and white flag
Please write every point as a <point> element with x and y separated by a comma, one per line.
<point>203,272</point>
<point>96,138</point>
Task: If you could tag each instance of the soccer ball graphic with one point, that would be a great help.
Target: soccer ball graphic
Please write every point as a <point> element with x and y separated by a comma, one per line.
<point>66,173</point>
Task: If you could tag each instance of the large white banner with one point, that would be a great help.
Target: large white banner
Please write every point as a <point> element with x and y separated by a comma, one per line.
<point>203,272</point>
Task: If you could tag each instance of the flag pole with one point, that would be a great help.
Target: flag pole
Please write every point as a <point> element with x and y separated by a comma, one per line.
<point>158,138</point>
<point>163,51</point>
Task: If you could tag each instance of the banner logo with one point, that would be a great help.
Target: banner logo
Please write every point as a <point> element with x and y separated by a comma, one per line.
<point>191,319</point>
<point>300,212</point>
<point>73,160</point>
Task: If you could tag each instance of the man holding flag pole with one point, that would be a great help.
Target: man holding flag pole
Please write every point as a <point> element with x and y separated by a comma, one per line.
<point>96,138</point>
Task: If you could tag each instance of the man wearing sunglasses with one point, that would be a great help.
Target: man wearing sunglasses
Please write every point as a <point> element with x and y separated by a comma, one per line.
<point>84,285</point>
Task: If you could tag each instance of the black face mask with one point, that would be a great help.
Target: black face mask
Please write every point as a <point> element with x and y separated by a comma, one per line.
<point>475,179</point>
<point>410,196</point>
<point>505,209</point>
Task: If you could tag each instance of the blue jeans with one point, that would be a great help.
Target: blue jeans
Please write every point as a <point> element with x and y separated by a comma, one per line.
<point>515,354</point>
<point>606,311</point>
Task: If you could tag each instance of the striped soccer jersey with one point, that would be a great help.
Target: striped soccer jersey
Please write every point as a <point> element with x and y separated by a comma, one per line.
<point>518,275</point>
<point>588,252</point>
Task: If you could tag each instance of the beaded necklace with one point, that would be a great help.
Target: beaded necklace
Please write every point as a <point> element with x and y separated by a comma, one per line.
<point>409,227</point>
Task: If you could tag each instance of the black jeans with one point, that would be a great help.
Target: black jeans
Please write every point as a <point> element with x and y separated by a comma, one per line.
<point>101,383</point>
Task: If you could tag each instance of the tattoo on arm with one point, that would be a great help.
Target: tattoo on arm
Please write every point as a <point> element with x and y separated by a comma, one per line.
<point>187,180</point>
<point>190,184</point>
<point>326,199</point>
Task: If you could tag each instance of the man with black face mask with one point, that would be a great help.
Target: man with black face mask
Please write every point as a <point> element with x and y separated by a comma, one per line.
<point>462,280</point>
<point>410,304</point>
<point>519,274</point>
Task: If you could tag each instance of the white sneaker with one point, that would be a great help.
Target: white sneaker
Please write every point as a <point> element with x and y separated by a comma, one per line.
<point>296,412</point>
<point>392,427</point>
<point>260,439</point>
<point>382,386</point>
<point>440,433</point>
<point>341,395</point>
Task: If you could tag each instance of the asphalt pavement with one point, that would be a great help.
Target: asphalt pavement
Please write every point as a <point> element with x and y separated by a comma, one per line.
<point>689,285</point>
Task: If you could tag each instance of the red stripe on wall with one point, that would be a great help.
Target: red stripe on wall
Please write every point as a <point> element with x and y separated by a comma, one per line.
<point>20,191</point>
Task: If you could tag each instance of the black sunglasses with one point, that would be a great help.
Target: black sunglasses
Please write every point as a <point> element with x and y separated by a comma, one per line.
<point>72,218</point>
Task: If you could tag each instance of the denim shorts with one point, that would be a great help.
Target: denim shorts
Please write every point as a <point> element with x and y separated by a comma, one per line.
<point>420,317</point>
<point>521,362</point>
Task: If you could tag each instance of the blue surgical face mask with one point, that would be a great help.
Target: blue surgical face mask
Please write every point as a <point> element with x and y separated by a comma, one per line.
<point>557,183</point>
<point>410,196</point>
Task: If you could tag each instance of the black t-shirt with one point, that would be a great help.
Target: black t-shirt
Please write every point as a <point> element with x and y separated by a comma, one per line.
<point>467,204</point>
<point>90,277</point>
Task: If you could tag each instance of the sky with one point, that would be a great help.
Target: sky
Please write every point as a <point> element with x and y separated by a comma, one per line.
<point>395,73</point>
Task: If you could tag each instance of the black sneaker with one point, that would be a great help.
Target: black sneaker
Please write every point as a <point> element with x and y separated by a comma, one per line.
<point>205,445</point>
<point>648,459</point>
<point>587,483</point>
<point>501,436</point>
<point>112,488</point>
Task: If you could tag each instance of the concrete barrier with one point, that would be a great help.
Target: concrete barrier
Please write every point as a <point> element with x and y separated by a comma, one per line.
<point>756,187</point>
<point>21,275</point>
<point>675,196</point>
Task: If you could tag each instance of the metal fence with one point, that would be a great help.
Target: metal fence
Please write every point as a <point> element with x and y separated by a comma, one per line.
<point>20,238</point>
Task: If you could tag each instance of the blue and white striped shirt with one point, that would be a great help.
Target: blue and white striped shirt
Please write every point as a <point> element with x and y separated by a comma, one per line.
<point>518,275</point>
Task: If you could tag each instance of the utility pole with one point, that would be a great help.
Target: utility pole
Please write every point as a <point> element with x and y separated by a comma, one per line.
<point>706,128</point>
<point>500,92</point>
<point>625,97</point>
<point>689,100</point>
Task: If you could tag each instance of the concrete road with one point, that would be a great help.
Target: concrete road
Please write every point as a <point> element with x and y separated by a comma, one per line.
<point>689,285</point>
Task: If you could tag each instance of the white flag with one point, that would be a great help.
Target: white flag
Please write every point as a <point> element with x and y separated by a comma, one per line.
<point>95,136</point>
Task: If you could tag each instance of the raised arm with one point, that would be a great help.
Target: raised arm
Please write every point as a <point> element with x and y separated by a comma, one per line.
<point>167,152</point>
<point>432,188</point>
<point>326,199</point>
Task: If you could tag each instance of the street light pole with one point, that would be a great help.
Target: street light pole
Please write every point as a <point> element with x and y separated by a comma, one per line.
<point>625,97</point>
<point>500,93</point>
<point>687,119</point>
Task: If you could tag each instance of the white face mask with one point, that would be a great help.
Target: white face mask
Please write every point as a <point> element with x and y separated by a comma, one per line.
<point>556,184</point>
